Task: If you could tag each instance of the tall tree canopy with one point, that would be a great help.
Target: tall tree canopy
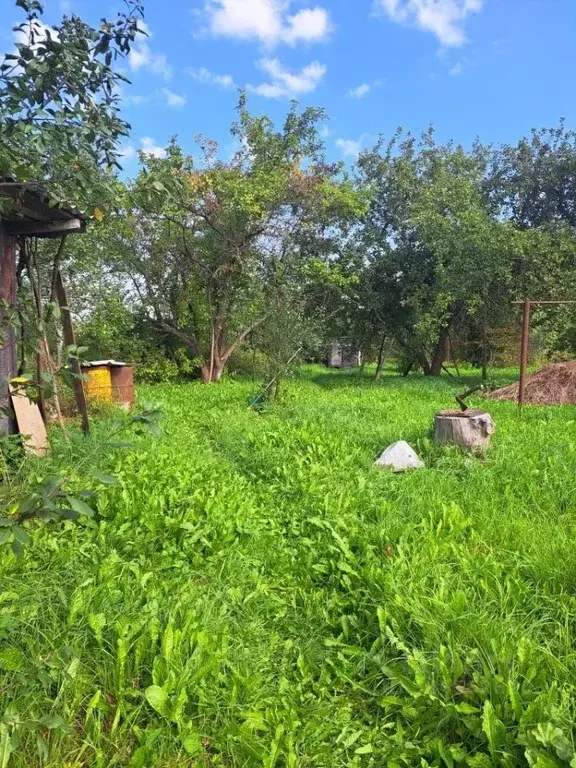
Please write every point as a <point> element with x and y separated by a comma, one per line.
<point>445,245</point>
<point>211,246</point>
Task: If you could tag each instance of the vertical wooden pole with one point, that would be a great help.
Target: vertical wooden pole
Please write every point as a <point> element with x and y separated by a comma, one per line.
<point>8,352</point>
<point>524,351</point>
<point>70,341</point>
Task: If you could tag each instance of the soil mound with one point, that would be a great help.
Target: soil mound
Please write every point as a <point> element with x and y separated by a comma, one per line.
<point>553,385</point>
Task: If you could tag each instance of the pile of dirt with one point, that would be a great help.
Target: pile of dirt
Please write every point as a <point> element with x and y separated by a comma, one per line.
<point>553,385</point>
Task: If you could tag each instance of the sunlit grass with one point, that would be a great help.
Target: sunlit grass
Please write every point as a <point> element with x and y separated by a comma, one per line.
<point>257,593</point>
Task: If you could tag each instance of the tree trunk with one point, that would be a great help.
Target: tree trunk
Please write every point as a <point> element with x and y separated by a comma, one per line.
<point>484,352</point>
<point>8,351</point>
<point>407,368</point>
<point>470,430</point>
<point>440,353</point>
<point>380,364</point>
<point>212,373</point>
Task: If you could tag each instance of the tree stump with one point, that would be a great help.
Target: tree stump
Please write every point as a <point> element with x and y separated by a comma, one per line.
<point>470,430</point>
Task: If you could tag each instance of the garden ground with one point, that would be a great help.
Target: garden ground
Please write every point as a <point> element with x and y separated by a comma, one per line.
<point>255,592</point>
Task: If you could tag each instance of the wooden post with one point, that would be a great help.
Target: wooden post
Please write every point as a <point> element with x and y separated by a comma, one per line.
<point>8,356</point>
<point>524,351</point>
<point>70,340</point>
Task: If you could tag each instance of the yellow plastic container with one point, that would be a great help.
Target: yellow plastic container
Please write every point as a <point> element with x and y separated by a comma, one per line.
<point>98,386</point>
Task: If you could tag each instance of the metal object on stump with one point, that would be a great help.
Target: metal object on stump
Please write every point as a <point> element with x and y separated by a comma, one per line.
<point>471,430</point>
<point>109,381</point>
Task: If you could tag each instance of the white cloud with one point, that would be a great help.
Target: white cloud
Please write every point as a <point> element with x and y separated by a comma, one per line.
<point>286,84</point>
<point>204,75</point>
<point>444,18</point>
<point>149,147</point>
<point>360,91</point>
<point>268,21</point>
<point>174,99</point>
<point>325,132</point>
<point>350,147</point>
<point>457,69</point>
<point>128,151</point>
<point>142,57</point>
<point>139,100</point>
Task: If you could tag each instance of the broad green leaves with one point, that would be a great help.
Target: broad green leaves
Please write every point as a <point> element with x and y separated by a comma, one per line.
<point>59,107</point>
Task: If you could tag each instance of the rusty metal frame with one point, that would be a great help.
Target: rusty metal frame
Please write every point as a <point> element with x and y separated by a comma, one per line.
<point>527,305</point>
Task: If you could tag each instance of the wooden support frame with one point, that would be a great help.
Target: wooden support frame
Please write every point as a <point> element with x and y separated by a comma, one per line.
<point>70,340</point>
<point>30,213</point>
<point>8,356</point>
<point>22,228</point>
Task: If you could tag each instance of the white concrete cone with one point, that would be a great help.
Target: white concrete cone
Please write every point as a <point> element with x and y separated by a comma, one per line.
<point>400,457</point>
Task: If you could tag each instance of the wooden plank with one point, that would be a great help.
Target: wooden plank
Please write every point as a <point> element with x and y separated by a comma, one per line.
<point>29,420</point>
<point>44,229</point>
<point>70,340</point>
<point>8,356</point>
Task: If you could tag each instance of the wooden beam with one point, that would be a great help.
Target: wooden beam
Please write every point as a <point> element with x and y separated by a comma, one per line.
<point>27,204</point>
<point>8,356</point>
<point>44,229</point>
<point>70,340</point>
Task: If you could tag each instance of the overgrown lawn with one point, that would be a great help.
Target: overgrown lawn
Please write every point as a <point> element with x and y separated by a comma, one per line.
<point>255,592</point>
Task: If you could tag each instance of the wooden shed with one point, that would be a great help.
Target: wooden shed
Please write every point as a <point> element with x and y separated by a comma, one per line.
<point>25,211</point>
<point>342,354</point>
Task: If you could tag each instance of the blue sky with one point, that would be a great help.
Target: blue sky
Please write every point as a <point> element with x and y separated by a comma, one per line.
<point>487,68</point>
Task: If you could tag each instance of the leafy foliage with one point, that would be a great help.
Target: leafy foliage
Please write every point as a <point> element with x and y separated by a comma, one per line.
<point>214,251</point>
<point>60,116</point>
<point>255,592</point>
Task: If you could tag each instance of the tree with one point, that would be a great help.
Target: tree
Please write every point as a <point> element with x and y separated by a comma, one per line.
<point>440,255</point>
<point>210,247</point>
<point>533,183</point>
<point>59,103</point>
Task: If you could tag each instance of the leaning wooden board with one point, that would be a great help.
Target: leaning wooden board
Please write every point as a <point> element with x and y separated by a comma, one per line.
<point>30,424</point>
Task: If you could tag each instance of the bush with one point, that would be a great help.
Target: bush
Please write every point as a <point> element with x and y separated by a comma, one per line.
<point>251,362</point>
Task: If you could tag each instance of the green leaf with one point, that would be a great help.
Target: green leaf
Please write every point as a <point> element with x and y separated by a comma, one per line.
<point>550,735</point>
<point>5,522</point>
<point>17,548</point>
<point>52,721</point>
<point>80,506</point>
<point>157,697</point>
<point>68,514</point>
<point>192,741</point>
<point>467,709</point>
<point>12,659</point>
<point>97,622</point>
<point>493,727</point>
<point>50,485</point>
<point>408,685</point>
<point>106,479</point>
<point>21,535</point>
<point>367,749</point>
<point>6,747</point>
<point>5,537</point>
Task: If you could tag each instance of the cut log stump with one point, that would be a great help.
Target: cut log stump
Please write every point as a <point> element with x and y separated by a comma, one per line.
<point>470,430</point>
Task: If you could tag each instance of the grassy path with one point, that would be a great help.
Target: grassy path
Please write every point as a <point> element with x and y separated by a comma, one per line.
<point>256,593</point>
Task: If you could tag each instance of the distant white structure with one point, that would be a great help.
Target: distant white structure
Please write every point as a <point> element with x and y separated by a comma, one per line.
<point>342,355</point>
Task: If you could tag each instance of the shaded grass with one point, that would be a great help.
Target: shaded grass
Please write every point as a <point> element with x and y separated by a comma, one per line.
<point>256,593</point>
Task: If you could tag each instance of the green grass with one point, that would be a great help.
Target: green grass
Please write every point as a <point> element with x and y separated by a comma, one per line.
<point>256,593</point>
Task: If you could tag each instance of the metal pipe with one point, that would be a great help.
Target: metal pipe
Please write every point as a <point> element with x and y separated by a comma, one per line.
<point>524,351</point>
